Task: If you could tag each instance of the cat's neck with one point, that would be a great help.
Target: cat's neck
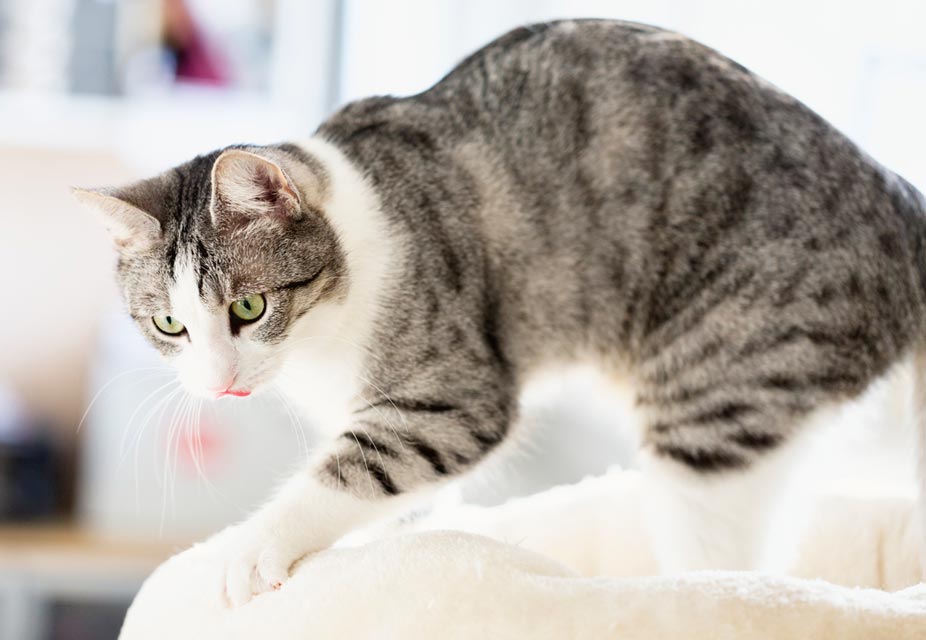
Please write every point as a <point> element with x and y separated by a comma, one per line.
<point>325,366</point>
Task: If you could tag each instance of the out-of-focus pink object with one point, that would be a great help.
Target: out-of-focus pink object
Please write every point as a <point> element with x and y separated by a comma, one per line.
<point>197,60</point>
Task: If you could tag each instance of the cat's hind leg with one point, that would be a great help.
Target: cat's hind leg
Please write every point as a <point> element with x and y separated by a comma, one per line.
<point>727,474</point>
<point>738,519</point>
<point>729,389</point>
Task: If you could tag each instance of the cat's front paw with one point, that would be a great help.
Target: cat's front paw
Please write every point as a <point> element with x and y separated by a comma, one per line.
<point>259,560</point>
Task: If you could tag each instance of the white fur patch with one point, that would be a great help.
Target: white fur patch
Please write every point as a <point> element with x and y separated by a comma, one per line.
<point>323,372</point>
<point>919,426</point>
<point>210,359</point>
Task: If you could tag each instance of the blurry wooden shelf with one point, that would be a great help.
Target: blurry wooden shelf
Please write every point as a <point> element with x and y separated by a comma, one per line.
<point>63,549</point>
<point>44,566</point>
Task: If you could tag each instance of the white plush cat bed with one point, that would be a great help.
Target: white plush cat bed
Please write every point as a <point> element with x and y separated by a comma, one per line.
<point>540,582</point>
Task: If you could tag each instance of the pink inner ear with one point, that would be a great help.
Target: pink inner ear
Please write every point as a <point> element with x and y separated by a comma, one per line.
<point>249,187</point>
<point>275,189</point>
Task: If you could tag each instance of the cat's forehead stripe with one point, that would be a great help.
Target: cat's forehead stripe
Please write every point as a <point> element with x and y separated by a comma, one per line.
<point>188,213</point>
<point>201,255</point>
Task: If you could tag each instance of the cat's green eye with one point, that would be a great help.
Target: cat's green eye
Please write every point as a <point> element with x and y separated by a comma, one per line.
<point>249,308</point>
<point>169,325</point>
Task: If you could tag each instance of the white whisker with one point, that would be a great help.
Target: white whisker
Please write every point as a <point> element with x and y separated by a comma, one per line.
<point>295,423</point>
<point>386,397</point>
<point>113,380</point>
<point>158,410</point>
<point>141,405</point>
<point>167,489</point>
<point>375,448</point>
<point>364,458</point>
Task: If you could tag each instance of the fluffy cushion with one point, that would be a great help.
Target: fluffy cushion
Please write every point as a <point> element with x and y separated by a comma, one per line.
<point>455,584</point>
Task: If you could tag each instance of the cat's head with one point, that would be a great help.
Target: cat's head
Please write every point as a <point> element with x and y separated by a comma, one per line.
<point>222,259</point>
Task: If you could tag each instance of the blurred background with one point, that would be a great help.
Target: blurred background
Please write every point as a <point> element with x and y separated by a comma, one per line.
<point>103,472</point>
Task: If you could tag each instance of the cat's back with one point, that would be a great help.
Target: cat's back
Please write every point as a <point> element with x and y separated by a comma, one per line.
<point>663,145</point>
<point>626,171</point>
<point>619,107</point>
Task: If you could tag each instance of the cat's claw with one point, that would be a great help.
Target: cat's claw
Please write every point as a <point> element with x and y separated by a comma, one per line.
<point>257,568</point>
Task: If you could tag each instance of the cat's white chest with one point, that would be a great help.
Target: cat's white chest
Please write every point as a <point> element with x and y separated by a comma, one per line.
<point>321,385</point>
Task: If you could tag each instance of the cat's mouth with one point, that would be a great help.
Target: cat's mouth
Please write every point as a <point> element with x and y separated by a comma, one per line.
<point>238,393</point>
<point>230,389</point>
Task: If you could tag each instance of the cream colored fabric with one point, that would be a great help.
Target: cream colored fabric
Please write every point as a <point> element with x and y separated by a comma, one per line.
<point>542,576</point>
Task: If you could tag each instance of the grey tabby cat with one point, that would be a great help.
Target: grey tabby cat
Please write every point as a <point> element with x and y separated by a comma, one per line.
<point>574,191</point>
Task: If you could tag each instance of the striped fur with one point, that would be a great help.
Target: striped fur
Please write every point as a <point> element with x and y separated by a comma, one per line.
<point>573,190</point>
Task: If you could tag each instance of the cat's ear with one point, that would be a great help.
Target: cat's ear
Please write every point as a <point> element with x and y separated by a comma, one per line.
<point>130,214</point>
<point>247,186</point>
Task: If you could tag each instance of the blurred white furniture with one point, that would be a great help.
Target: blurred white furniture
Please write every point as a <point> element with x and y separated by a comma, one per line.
<point>48,573</point>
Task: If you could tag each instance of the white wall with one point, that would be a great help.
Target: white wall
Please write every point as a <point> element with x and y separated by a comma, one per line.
<point>862,65</point>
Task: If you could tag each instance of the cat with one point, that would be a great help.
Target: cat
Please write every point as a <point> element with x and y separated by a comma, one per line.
<point>589,190</point>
